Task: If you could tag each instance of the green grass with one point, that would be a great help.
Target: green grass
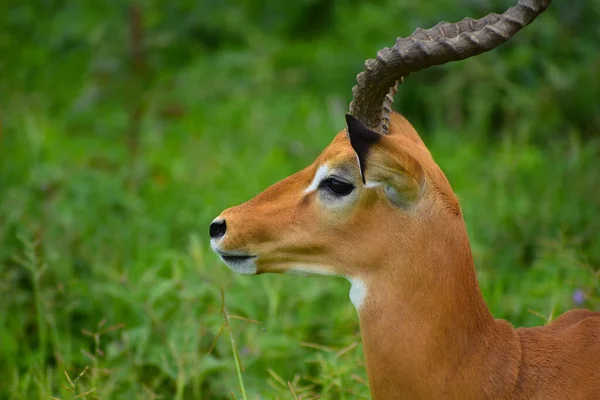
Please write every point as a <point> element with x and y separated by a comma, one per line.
<point>109,288</point>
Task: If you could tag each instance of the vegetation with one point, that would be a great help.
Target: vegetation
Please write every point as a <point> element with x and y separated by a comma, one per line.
<point>126,127</point>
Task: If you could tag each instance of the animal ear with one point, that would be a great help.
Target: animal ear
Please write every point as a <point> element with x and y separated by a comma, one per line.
<point>383,163</point>
<point>361,139</point>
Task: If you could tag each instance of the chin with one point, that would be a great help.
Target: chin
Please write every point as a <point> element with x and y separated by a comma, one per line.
<point>243,266</point>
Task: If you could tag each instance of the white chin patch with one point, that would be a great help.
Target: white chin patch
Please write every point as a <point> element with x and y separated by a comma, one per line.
<point>244,266</point>
<point>237,261</point>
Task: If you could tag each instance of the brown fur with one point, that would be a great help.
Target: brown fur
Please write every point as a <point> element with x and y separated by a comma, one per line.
<point>426,329</point>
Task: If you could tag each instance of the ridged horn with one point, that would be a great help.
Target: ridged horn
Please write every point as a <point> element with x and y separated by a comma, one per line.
<point>372,97</point>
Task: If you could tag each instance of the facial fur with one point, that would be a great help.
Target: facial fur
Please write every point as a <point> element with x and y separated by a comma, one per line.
<point>299,225</point>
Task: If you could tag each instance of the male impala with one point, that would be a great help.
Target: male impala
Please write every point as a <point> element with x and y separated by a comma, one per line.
<point>375,208</point>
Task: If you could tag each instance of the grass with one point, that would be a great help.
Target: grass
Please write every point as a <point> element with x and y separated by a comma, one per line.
<point>109,289</point>
<point>123,282</point>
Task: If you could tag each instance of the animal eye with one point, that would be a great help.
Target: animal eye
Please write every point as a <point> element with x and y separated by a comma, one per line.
<point>338,187</point>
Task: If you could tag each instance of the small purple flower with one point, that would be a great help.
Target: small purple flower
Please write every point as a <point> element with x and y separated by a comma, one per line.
<point>579,297</point>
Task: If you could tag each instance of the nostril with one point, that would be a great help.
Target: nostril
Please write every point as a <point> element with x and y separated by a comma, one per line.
<point>217,228</point>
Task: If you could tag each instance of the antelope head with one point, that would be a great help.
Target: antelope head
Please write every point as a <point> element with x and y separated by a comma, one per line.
<point>375,190</point>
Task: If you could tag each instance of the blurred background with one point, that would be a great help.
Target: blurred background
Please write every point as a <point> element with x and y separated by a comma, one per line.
<point>126,127</point>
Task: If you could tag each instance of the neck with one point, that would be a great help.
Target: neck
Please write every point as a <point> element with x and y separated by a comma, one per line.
<point>427,332</point>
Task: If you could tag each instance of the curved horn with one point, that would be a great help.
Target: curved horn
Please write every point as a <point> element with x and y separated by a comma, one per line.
<point>372,97</point>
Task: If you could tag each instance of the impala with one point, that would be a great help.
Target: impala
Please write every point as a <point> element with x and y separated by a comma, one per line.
<point>376,209</point>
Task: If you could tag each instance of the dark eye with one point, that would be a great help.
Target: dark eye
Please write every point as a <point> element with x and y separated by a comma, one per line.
<point>337,187</point>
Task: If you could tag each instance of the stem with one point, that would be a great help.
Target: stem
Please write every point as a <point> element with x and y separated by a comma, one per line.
<point>31,262</point>
<point>43,341</point>
<point>236,357</point>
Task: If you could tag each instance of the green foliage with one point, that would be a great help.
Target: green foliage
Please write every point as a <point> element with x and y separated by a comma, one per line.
<point>110,172</point>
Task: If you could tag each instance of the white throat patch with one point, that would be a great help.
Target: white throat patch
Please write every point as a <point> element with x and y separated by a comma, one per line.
<point>358,289</point>
<point>358,292</point>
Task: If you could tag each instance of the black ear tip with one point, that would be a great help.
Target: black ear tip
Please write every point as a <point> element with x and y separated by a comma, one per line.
<point>361,139</point>
<point>358,132</point>
<point>353,122</point>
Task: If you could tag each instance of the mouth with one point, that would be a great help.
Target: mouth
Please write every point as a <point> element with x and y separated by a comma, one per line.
<point>228,258</point>
<point>241,263</point>
<point>237,261</point>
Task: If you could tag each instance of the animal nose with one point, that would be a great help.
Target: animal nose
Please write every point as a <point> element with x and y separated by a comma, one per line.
<point>217,228</point>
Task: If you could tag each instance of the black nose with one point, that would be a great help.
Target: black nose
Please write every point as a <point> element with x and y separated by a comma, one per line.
<point>217,229</point>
